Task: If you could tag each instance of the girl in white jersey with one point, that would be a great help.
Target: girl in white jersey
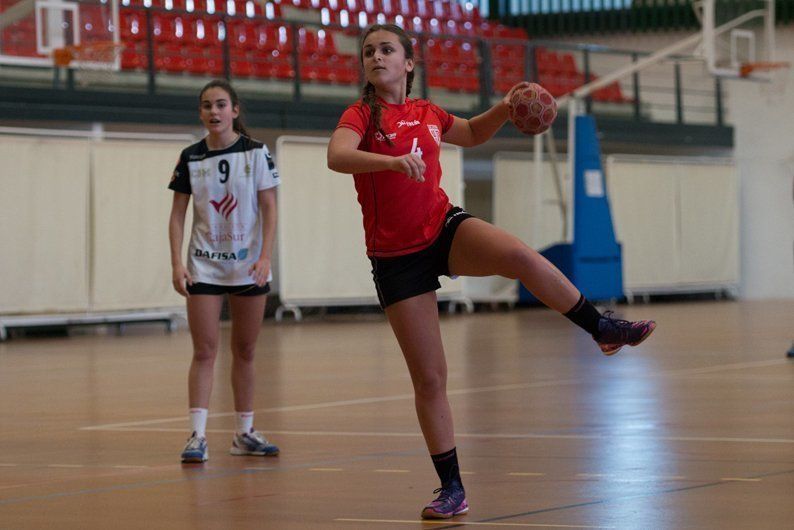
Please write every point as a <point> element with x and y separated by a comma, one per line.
<point>411,244</point>
<point>233,182</point>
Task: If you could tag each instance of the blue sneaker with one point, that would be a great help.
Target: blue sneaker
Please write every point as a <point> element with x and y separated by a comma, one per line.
<point>450,502</point>
<point>252,443</point>
<point>196,450</point>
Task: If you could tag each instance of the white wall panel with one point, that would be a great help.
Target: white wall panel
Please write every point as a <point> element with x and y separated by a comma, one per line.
<point>131,266</point>
<point>44,213</point>
<point>322,256</point>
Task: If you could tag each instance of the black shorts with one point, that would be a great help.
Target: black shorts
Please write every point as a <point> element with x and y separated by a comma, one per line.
<point>403,277</point>
<point>237,290</point>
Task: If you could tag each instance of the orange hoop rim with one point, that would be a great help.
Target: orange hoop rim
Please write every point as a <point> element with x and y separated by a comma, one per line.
<point>764,66</point>
<point>92,51</point>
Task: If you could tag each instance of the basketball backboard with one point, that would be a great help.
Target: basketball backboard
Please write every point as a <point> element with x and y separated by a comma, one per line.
<point>737,34</point>
<point>31,30</point>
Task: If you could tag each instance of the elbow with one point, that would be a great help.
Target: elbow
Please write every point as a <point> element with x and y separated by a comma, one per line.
<point>332,162</point>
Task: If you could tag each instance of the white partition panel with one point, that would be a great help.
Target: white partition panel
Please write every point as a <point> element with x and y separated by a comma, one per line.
<point>44,212</point>
<point>709,206</point>
<point>131,204</point>
<point>526,205</point>
<point>677,219</point>
<point>322,257</point>
<point>643,200</point>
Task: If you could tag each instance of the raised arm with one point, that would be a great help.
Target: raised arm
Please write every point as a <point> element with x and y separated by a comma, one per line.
<point>344,156</point>
<point>480,128</point>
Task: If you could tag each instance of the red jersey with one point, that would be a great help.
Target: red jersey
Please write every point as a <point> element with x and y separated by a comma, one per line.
<point>401,215</point>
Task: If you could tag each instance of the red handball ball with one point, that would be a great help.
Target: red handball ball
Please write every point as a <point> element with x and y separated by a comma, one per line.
<point>532,109</point>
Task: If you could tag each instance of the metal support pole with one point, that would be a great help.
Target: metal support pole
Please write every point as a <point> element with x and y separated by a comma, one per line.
<point>485,75</point>
<point>588,102</point>
<point>227,62</point>
<point>150,83</point>
<point>679,99</point>
<point>718,101</point>
<point>635,85</point>
<point>296,86</point>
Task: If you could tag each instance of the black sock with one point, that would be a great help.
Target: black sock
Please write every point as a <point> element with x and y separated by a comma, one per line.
<point>585,315</point>
<point>446,465</point>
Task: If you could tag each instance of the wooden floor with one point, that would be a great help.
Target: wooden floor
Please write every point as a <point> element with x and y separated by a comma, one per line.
<point>694,429</point>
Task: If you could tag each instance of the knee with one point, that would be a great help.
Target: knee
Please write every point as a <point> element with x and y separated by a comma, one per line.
<point>205,352</point>
<point>243,352</point>
<point>430,383</point>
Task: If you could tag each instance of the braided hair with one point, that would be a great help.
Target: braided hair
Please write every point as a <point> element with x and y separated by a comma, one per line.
<point>368,92</point>
<point>237,123</point>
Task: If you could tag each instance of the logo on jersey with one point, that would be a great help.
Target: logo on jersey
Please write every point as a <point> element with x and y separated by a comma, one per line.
<point>407,123</point>
<point>226,205</point>
<point>435,132</point>
<point>240,255</point>
<point>379,137</point>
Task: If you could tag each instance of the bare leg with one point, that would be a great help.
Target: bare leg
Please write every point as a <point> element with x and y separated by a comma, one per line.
<point>481,249</point>
<point>203,313</point>
<point>247,314</point>
<point>415,324</point>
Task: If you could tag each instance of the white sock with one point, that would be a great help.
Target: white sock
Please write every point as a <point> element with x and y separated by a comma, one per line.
<point>198,422</point>
<point>244,421</point>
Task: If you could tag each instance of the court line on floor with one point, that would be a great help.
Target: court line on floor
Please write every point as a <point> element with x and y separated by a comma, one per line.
<point>458,392</point>
<point>345,403</point>
<point>203,476</point>
<point>468,523</point>
<point>455,524</point>
<point>486,436</point>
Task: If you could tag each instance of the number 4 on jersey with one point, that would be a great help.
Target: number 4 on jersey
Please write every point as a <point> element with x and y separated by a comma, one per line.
<point>415,148</point>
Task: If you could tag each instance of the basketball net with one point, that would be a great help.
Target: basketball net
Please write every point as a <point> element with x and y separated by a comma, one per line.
<point>775,74</point>
<point>96,61</point>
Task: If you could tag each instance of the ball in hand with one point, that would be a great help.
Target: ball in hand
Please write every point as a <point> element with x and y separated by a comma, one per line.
<point>532,109</point>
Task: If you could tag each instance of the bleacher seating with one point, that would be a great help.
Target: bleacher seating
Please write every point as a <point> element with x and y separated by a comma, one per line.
<point>189,35</point>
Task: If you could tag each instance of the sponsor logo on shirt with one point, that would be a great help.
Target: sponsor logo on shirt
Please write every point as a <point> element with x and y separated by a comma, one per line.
<point>407,123</point>
<point>379,137</point>
<point>225,206</point>
<point>435,132</point>
<point>240,255</point>
<point>220,237</point>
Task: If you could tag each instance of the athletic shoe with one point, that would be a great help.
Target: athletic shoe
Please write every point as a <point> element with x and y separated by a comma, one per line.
<point>252,443</point>
<point>613,333</point>
<point>450,502</point>
<point>196,450</point>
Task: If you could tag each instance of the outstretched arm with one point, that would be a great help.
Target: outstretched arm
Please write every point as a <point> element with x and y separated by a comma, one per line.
<point>480,128</point>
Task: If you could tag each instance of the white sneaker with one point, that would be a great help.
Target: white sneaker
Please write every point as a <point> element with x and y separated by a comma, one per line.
<point>196,450</point>
<point>252,443</point>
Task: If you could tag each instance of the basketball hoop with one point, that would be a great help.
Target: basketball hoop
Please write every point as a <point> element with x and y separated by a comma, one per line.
<point>747,69</point>
<point>96,61</point>
<point>774,77</point>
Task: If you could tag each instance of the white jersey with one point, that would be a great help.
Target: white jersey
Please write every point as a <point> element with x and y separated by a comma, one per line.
<point>226,238</point>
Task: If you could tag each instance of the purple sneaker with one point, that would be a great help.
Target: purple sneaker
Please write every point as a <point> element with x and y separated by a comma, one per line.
<point>450,502</point>
<point>613,333</point>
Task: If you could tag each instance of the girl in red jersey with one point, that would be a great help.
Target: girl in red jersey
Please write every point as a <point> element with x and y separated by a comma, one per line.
<point>391,145</point>
<point>233,181</point>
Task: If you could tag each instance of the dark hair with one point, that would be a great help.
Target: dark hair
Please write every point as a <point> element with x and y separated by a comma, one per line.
<point>224,85</point>
<point>368,92</point>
